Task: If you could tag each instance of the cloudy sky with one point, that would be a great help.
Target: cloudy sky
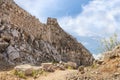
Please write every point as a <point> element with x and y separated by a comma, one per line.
<point>87,20</point>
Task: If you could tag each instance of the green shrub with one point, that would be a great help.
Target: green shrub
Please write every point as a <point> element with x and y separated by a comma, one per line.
<point>107,44</point>
<point>20,74</point>
<point>35,73</point>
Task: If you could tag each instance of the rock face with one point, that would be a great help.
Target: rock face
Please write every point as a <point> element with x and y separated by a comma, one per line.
<point>112,54</point>
<point>23,39</point>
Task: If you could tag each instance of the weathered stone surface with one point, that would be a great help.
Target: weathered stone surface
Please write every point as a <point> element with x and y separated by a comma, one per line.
<point>72,65</point>
<point>27,40</point>
<point>15,33</point>
<point>66,45</point>
<point>48,67</point>
<point>27,69</point>
<point>12,53</point>
<point>100,62</point>
<point>112,54</point>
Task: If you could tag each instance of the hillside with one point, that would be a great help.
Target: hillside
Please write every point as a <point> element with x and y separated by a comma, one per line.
<point>31,50</point>
<point>24,39</point>
<point>106,69</point>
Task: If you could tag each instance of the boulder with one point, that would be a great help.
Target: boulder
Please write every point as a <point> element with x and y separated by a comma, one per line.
<point>12,53</point>
<point>48,67</point>
<point>27,69</point>
<point>113,53</point>
<point>72,65</point>
<point>59,66</point>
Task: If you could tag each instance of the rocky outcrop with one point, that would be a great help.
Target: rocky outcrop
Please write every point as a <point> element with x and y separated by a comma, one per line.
<point>24,39</point>
<point>113,53</point>
<point>66,45</point>
<point>18,48</point>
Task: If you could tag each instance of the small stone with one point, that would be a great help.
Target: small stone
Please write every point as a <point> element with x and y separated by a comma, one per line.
<point>48,67</point>
<point>116,74</point>
<point>6,37</point>
<point>2,28</point>
<point>15,33</point>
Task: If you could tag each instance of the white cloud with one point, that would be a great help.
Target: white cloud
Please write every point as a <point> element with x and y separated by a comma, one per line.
<point>98,56</point>
<point>98,18</point>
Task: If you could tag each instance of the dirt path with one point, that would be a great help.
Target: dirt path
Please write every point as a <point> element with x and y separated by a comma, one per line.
<point>57,75</point>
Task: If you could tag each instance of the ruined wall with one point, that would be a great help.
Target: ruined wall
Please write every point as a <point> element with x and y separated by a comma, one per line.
<point>68,47</point>
<point>26,40</point>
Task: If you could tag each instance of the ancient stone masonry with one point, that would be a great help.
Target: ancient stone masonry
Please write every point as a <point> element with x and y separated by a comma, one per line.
<point>66,45</point>
<point>24,39</point>
<point>17,48</point>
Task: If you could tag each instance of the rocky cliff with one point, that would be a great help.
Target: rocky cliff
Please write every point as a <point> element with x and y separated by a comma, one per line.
<point>24,39</point>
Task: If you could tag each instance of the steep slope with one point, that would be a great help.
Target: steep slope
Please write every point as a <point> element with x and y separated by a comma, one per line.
<point>66,45</point>
<point>23,39</point>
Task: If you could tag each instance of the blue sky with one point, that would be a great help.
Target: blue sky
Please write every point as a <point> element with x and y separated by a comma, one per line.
<point>53,8</point>
<point>86,20</point>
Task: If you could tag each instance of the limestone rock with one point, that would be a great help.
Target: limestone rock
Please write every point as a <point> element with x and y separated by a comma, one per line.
<point>66,45</point>
<point>48,67</point>
<point>15,33</point>
<point>27,40</point>
<point>72,65</point>
<point>12,53</point>
<point>27,69</point>
<point>112,54</point>
<point>60,66</point>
